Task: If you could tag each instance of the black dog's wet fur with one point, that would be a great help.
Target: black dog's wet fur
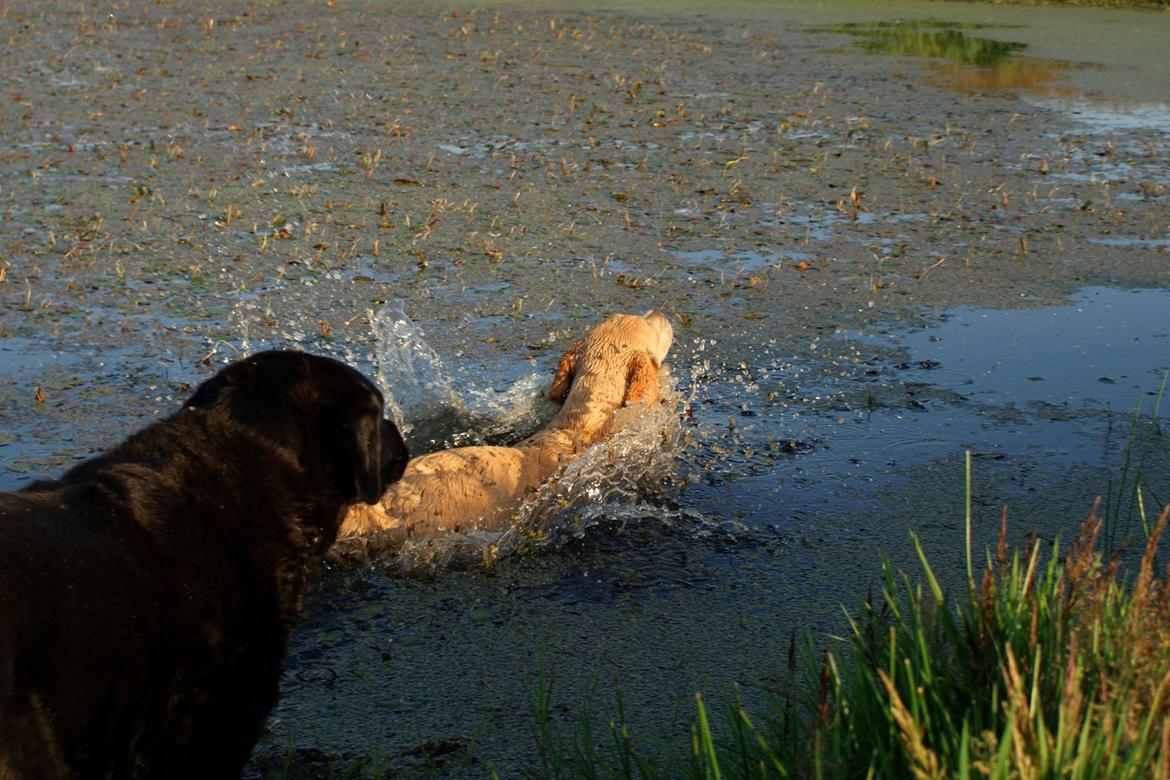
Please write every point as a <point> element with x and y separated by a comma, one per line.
<point>146,597</point>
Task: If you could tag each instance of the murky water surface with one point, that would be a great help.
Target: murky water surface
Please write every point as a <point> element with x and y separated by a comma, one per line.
<point>874,262</point>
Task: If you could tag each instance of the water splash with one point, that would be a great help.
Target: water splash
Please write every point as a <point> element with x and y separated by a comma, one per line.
<point>622,479</point>
<point>423,399</point>
<point>416,383</point>
<point>276,315</point>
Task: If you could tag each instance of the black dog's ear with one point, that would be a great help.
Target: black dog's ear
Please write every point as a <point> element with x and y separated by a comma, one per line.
<point>371,450</point>
<point>366,456</point>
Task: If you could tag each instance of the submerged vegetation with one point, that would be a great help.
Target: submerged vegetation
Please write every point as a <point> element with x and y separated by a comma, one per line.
<point>1049,664</point>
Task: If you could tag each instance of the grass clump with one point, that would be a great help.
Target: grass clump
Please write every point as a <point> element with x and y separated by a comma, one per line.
<point>1046,665</point>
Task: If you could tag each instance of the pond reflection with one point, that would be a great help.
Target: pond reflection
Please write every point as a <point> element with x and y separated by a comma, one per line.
<point>1042,76</point>
<point>973,63</point>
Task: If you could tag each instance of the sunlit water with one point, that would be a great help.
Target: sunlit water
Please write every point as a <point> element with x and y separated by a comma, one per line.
<point>757,444</point>
<point>1041,383</point>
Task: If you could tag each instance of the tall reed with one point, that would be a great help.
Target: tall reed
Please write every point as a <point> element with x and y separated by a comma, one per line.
<point>1048,665</point>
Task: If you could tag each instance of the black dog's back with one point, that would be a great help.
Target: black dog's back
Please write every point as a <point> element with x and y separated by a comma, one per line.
<point>146,598</point>
<point>84,633</point>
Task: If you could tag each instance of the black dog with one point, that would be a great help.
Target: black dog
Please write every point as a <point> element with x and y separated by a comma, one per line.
<point>146,597</point>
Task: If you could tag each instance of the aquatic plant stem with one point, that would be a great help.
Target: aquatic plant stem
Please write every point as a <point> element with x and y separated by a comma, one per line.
<point>1158,402</point>
<point>970,571</point>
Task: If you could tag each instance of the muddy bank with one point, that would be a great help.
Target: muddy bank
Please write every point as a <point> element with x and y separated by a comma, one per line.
<point>184,183</point>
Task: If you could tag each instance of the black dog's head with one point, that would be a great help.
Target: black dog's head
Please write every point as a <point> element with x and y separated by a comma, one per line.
<point>323,411</point>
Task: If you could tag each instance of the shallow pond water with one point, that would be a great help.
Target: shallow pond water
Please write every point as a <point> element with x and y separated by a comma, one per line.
<point>1049,355</point>
<point>869,272</point>
<point>672,558</point>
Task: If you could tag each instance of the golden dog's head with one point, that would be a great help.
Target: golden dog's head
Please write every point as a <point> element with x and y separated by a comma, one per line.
<point>623,353</point>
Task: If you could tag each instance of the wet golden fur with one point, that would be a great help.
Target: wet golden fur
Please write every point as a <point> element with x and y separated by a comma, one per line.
<point>480,488</point>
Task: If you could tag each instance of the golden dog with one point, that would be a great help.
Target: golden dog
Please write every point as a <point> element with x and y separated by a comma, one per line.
<point>481,488</point>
